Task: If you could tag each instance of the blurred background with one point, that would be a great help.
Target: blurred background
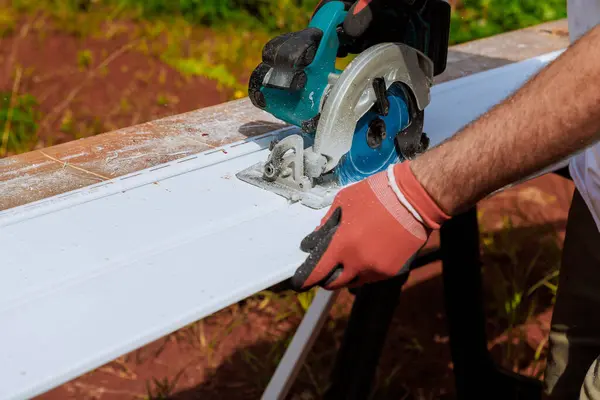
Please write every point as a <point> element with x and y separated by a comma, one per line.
<point>71,69</point>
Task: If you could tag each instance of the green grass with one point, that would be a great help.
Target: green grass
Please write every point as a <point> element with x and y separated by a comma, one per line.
<point>521,267</point>
<point>19,119</point>
<point>7,21</point>
<point>203,67</point>
<point>222,40</point>
<point>248,14</point>
<point>471,19</point>
<point>162,389</point>
<point>85,58</point>
<point>475,19</point>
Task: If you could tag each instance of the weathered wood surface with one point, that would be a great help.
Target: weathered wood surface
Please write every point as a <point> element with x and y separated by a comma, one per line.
<point>51,171</point>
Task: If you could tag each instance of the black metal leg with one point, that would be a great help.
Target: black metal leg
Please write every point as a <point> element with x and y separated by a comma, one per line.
<point>564,172</point>
<point>464,307</point>
<point>359,355</point>
<point>476,375</point>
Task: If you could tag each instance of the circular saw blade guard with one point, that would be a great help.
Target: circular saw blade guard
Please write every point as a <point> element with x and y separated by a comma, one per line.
<point>379,97</point>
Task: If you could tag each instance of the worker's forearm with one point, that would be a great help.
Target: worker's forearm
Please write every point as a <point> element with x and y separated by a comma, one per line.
<point>554,115</point>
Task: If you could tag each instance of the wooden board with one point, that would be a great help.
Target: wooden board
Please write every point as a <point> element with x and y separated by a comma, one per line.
<point>48,172</point>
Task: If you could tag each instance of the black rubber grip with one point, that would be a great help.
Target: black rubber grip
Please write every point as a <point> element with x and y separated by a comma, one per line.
<point>294,50</point>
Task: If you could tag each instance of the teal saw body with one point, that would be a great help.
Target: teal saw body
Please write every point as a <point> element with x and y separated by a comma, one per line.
<point>292,90</point>
<point>354,122</point>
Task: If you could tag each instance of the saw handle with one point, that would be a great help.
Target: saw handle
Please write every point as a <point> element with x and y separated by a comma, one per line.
<point>295,69</point>
<point>288,55</point>
<point>421,24</point>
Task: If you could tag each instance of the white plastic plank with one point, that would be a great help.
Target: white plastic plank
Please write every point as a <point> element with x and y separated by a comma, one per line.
<point>96,273</point>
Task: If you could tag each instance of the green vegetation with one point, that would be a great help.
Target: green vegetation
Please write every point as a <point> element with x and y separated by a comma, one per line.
<point>471,19</point>
<point>162,389</point>
<point>203,67</point>
<point>222,39</point>
<point>19,118</point>
<point>521,267</point>
<point>85,59</point>
<point>7,21</point>
<point>474,19</point>
<point>273,16</point>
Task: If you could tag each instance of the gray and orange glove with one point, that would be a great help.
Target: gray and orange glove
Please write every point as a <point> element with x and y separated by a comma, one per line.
<point>372,232</point>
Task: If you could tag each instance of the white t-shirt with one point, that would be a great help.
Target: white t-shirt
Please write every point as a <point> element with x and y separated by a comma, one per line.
<point>585,167</point>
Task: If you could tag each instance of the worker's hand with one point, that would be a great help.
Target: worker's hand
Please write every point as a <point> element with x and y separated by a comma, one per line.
<point>372,232</point>
<point>370,22</point>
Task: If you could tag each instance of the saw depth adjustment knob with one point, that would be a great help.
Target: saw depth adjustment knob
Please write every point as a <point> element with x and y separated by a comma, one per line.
<point>382,105</point>
<point>376,133</point>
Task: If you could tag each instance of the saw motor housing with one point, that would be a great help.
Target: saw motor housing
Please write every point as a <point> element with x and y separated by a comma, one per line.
<point>353,122</point>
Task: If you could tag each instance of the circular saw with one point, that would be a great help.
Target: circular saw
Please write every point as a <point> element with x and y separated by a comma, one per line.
<point>352,123</point>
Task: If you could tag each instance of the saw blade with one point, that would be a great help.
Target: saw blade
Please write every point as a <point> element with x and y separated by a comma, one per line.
<point>373,144</point>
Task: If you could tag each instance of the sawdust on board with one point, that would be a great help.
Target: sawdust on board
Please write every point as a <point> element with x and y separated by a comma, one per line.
<point>9,173</point>
<point>65,164</point>
<point>7,162</point>
<point>132,149</point>
<point>147,154</point>
<point>72,156</point>
<point>28,188</point>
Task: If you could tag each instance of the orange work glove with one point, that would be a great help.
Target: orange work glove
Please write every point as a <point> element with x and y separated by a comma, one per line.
<point>372,232</point>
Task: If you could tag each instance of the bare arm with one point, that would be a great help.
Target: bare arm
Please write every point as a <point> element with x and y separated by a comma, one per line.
<point>554,115</point>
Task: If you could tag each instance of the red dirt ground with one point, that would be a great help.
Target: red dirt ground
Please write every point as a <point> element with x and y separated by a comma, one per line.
<point>120,88</point>
<point>232,354</point>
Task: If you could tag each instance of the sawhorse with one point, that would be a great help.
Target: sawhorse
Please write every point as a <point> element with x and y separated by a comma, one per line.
<point>476,374</point>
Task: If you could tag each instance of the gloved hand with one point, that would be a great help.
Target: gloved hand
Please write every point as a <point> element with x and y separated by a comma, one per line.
<point>372,232</point>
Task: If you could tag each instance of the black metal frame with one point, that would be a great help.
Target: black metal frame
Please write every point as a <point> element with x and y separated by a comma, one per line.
<point>476,374</point>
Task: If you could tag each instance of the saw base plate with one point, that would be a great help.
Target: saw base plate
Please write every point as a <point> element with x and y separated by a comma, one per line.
<point>318,197</point>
